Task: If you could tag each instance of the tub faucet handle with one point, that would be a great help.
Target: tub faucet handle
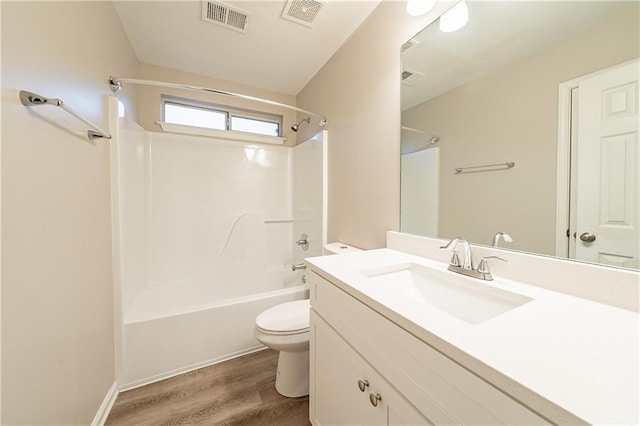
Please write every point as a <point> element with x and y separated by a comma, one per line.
<point>303,242</point>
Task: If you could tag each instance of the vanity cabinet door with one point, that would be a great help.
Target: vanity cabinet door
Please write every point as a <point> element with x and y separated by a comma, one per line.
<point>402,413</point>
<point>346,390</point>
<point>338,370</point>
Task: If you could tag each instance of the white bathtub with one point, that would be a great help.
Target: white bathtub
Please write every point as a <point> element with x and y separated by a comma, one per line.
<point>204,233</point>
<point>197,336</point>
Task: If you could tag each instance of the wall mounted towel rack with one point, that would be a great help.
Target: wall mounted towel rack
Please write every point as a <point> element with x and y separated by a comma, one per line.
<point>485,167</point>
<point>32,99</point>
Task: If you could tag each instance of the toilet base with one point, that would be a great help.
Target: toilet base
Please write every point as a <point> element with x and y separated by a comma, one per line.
<point>292,377</point>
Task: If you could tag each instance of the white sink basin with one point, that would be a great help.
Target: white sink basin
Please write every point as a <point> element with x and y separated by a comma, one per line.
<point>468,299</point>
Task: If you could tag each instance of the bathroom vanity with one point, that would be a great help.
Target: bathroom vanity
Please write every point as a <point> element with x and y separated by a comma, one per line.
<point>397,339</point>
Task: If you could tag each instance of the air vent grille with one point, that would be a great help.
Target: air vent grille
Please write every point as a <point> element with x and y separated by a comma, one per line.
<point>222,14</point>
<point>408,45</point>
<point>302,12</point>
<point>237,19</point>
<point>409,77</point>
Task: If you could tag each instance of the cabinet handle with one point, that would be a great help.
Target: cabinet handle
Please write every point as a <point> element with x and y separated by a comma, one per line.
<point>362,385</point>
<point>375,398</point>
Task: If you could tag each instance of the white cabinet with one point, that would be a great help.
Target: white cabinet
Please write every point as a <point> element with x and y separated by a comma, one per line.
<point>417,384</point>
<point>347,390</point>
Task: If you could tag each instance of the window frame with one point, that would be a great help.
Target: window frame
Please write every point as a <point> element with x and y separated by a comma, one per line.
<point>228,110</point>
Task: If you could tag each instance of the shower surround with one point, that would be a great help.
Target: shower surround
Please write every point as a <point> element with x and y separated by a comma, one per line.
<point>204,240</point>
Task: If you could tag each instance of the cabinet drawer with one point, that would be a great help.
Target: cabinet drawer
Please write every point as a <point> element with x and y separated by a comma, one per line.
<point>422,374</point>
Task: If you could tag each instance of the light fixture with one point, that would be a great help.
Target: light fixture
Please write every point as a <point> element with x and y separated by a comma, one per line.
<point>419,7</point>
<point>455,18</point>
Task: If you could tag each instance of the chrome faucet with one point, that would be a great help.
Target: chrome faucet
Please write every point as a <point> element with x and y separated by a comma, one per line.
<point>496,238</point>
<point>468,258</point>
<point>467,268</point>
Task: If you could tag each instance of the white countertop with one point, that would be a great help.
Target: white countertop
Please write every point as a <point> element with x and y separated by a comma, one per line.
<point>557,354</point>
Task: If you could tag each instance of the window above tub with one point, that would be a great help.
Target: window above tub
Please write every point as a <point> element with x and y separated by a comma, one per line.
<point>192,112</point>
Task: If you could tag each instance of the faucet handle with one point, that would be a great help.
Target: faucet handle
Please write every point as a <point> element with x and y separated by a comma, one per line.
<point>483,267</point>
<point>451,245</point>
<point>455,259</point>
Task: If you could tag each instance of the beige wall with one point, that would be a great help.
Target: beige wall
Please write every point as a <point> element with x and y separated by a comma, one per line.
<point>149,97</point>
<point>487,121</point>
<point>358,90</point>
<point>57,294</point>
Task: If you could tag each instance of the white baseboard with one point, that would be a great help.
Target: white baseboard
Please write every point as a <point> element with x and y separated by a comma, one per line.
<point>105,407</point>
<point>182,370</point>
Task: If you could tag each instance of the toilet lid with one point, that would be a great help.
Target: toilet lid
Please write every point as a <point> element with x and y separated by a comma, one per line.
<point>285,317</point>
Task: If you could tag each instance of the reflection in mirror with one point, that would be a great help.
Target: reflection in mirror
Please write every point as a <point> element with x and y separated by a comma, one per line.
<point>551,87</point>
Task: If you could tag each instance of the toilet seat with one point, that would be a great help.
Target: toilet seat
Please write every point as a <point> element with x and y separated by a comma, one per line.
<point>282,333</point>
<point>285,319</point>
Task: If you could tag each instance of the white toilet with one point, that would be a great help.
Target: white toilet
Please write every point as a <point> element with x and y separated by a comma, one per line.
<point>285,328</point>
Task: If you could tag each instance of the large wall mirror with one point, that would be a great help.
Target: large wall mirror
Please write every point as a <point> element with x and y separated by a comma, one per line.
<point>525,121</point>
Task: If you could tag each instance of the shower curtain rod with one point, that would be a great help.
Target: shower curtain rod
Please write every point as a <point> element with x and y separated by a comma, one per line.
<point>433,139</point>
<point>32,99</point>
<point>116,84</point>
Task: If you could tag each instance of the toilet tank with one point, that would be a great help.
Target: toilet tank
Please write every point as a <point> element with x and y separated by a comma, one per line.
<point>338,248</point>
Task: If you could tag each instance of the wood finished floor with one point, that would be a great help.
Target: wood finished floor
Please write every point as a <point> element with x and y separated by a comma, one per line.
<point>240,391</point>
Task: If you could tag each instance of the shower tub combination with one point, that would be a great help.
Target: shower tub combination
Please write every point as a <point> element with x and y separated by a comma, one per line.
<point>204,239</point>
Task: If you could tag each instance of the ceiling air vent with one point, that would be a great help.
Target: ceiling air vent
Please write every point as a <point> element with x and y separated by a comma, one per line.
<point>302,12</point>
<point>224,15</point>
<point>409,77</point>
<point>408,45</point>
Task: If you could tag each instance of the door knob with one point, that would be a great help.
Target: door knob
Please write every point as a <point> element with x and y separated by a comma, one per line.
<point>362,385</point>
<point>588,237</point>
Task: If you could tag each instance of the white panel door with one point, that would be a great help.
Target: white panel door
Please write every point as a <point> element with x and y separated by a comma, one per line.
<point>608,185</point>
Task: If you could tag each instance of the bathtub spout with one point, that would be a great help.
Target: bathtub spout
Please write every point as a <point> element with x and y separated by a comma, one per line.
<point>295,267</point>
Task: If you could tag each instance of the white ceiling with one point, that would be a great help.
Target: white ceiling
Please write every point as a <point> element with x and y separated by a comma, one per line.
<point>274,54</point>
